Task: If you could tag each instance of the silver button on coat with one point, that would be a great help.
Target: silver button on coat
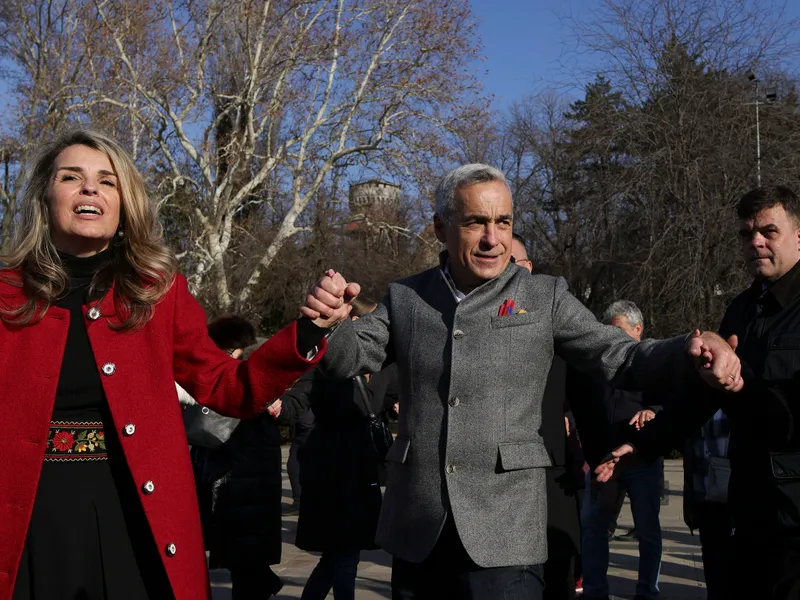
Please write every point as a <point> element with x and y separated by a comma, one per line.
<point>171,549</point>
<point>93,314</point>
<point>149,487</point>
<point>109,368</point>
<point>129,429</point>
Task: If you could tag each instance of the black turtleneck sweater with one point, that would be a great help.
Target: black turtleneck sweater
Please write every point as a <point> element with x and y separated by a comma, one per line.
<point>79,396</point>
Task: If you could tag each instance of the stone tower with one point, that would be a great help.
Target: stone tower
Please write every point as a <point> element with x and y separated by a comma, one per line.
<point>375,199</point>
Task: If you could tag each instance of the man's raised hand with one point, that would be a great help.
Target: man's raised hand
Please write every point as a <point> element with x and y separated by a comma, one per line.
<point>606,470</point>
<point>641,418</point>
<point>328,300</point>
<point>716,360</point>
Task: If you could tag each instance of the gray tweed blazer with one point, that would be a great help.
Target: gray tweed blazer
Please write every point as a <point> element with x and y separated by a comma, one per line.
<point>471,385</point>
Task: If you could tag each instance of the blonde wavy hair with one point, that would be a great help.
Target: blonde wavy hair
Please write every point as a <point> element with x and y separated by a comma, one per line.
<point>141,268</point>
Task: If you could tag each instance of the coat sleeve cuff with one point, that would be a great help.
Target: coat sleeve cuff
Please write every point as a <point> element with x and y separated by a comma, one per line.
<point>309,338</point>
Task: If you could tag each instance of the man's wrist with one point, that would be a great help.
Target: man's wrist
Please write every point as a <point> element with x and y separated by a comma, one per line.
<point>332,328</point>
<point>319,326</point>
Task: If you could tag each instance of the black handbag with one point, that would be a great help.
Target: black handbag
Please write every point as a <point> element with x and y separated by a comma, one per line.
<point>380,435</point>
<point>205,428</point>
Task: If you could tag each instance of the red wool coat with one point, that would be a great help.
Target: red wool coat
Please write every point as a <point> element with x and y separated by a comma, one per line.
<point>140,370</point>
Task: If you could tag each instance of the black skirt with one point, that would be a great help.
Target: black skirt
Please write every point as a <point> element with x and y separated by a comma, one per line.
<point>88,538</point>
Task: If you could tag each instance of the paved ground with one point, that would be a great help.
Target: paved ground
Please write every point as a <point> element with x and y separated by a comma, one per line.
<point>681,572</point>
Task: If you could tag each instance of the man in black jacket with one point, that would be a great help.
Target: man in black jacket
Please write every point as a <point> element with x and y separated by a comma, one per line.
<point>764,325</point>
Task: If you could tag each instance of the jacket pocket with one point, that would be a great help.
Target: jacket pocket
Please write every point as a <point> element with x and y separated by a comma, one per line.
<point>785,466</point>
<point>786,474</point>
<point>523,455</point>
<point>398,453</point>
<point>528,318</point>
<point>785,341</point>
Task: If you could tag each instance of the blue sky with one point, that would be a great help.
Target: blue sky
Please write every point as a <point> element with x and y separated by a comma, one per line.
<point>529,45</point>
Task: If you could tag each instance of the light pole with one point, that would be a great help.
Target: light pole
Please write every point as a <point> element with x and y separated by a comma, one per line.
<point>771,95</point>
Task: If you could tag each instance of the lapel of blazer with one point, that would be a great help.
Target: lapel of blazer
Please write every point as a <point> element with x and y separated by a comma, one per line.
<point>440,292</point>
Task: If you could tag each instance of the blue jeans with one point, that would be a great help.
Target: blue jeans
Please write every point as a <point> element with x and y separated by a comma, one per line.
<point>643,484</point>
<point>335,570</point>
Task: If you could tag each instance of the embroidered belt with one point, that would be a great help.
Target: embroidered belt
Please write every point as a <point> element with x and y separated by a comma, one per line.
<point>70,441</point>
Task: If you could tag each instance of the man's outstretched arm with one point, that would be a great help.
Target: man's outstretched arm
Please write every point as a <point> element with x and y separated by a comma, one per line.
<point>608,354</point>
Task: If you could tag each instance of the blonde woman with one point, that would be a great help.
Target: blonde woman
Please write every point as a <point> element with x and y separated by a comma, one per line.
<point>97,498</point>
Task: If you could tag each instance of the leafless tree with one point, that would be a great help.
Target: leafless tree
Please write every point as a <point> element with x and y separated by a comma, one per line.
<point>240,113</point>
<point>632,189</point>
<point>44,55</point>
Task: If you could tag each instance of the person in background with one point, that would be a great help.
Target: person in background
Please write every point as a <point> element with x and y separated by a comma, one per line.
<point>96,326</point>
<point>340,473</point>
<point>711,517</point>
<point>643,484</point>
<point>240,487</point>
<point>577,468</point>
<point>300,432</point>
<point>563,524</point>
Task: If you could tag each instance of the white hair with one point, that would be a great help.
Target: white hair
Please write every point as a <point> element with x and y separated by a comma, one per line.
<point>624,308</point>
<point>460,177</point>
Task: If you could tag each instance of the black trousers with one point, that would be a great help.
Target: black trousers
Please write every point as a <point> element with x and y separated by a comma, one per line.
<point>249,584</point>
<point>293,470</point>
<point>559,578</point>
<point>450,574</point>
<point>765,568</point>
<point>302,429</point>
<point>717,546</point>
<point>616,510</point>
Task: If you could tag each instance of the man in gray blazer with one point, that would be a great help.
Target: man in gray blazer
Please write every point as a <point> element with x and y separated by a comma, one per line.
<point>465,508</point>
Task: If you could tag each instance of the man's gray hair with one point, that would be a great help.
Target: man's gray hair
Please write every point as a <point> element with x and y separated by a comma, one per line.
<point>459,177</point>
<point>624,308</point>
